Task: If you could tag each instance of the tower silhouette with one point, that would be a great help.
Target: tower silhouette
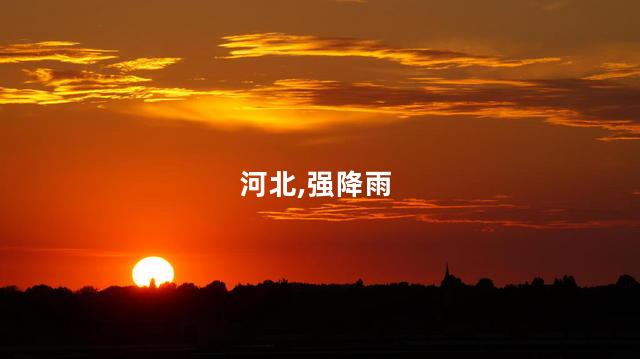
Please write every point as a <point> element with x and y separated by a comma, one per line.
<point>449,279</point>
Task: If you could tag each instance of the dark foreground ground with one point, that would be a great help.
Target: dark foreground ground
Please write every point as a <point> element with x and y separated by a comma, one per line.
<point>293,320</point>
<point>433,349</point>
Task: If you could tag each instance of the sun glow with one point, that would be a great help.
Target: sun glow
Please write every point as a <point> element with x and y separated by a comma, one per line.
<point>152,268</point>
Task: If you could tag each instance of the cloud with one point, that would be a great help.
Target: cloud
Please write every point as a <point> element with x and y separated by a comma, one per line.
<point>62,51</point>
<point>292,104</point>
<point>273,43</point>
<point>82,78</point>
<point>299,104</point>
<point>470,82</point>
<point>27,96</point>
<point>616,70</point>
<point>576,103</point>
<point>145,63</point>
<point>84,85</point>
<point>494,211</point>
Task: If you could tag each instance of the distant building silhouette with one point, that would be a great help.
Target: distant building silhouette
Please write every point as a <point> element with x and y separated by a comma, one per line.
<point>449,280</point>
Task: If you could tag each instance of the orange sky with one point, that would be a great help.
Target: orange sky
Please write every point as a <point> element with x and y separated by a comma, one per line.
<point>512,131</point>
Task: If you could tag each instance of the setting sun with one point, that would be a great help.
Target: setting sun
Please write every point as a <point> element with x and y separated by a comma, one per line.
<point>156,268</point>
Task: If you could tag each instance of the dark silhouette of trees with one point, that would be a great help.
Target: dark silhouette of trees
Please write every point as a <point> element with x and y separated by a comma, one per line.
<point>485,283</point>
<point>216,287</point>
<point>290,315</point>
<point>566,281</point>
<point>537,282</point>
<point>626,281</point>
<point>87,290</point>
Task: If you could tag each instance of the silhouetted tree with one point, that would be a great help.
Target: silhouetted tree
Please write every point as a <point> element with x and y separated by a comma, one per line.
<point>485,283</point>
<point>9,289</point>
<point>537,282</point>
<point>168,286</point>
<point>216,287</point>
<point>188,288</point>
<point>567,281</point>
<point>626,281</point>
<point>87,290</point>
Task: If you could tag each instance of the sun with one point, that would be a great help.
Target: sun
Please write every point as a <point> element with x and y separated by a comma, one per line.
<point>156,268</point>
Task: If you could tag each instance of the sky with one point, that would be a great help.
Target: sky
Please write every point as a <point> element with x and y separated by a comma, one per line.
<point>512,131</point>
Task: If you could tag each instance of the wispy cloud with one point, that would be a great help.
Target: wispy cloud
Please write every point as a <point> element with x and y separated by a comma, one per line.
<point>469,82</point>
<point>274,43</point>
<point>292,104</point>
<point>27,96</point>
<point>577,103</point>
<point>596,100</point>
<point>84,85</point>
<point>72,94</point>
<point>145,63</point>
<point>62,51</point>
<point>497,211</point>
<point>615,70</point>
<point>74,79</point>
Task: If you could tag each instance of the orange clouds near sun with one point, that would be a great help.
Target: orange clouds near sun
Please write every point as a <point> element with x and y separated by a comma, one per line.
<point>62,51</point>
<point>145,63</point>
<point>273,43</point>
